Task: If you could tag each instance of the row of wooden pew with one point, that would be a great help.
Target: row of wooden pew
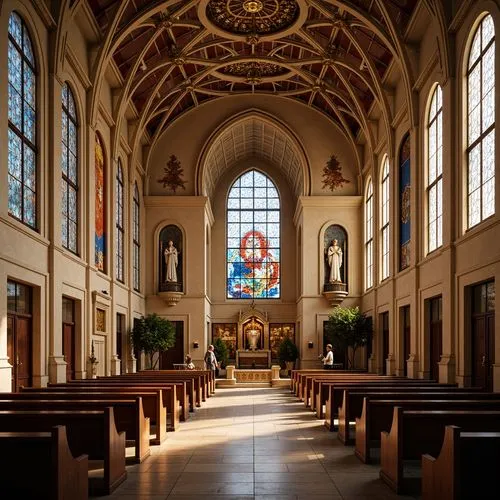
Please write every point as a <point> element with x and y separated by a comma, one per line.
<point>453,432</point>
<point>53,435</point>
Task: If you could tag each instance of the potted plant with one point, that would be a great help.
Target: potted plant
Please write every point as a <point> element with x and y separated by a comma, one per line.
<point>221,352</point>
<point>349,327</point>
<point>153,335</point>
<point>288,353</point>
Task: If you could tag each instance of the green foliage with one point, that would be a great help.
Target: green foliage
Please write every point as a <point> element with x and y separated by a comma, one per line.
<point>221,351</point>
<point>287,350</point>
<point>152,335</point>
<point>348,327</point>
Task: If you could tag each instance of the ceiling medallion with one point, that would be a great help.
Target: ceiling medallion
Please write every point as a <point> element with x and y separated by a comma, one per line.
<point>242,17</point>
<point>254,72</point>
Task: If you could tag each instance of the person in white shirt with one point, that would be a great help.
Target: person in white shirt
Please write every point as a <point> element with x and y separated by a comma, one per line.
<point>328,359</point>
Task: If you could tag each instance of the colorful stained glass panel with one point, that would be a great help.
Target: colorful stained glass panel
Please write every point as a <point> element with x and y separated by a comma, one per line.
<point>100,204</point>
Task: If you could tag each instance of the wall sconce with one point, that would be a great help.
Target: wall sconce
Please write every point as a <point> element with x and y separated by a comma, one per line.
<point>310,345</point>
<point>196,345</point>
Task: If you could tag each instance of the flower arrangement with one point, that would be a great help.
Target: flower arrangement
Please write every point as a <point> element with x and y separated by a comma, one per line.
<point>92,357</point>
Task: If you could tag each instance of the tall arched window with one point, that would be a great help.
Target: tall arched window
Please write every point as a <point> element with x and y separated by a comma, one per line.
<point>385,219</point>
<point>435,172</point>
<point>120,226</point>
<point>22,157</point>
<point>481,124</point>
<point>69,170</point>
<point>136,240</point>
<point>253,238</point>
<point>100,205</point>
<point>369,235</point>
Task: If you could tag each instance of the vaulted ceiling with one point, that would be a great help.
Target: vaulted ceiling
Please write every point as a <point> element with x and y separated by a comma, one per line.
<point>328,54</point>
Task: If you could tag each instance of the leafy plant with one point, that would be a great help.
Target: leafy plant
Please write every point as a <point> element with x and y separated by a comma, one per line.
<point>221,352</point>
<point>287,350</point>
<point>152,335</point>
<point>348,327</point>
<point>173,174</point>
<point>332,174</point>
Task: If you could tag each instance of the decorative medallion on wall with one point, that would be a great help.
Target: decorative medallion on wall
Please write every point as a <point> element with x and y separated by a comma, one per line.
<point>100,320</point>
<point>170,279</point>
<point>332,174</point>
<point>173,175</point>
<point>252,16</point>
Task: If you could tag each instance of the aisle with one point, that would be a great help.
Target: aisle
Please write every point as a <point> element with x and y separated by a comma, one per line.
<point>252,443</point>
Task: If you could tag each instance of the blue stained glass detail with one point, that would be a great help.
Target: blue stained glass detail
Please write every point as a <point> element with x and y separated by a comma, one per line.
<point>15,197</point>
<point>253,230</point>
<point>404,204</point>
<point>15,107</point>
<point>16,28</point>
<point>15,155</point>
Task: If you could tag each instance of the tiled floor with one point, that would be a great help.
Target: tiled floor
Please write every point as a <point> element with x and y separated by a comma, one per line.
<point>252,443</point>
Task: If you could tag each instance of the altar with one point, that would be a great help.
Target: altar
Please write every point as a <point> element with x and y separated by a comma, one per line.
<point>253,359</point>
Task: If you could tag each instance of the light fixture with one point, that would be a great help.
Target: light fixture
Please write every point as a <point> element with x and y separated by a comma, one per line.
<point>310,344</point>
<point>196,344</point>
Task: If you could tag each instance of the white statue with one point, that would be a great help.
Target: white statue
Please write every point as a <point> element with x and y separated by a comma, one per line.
<point>170,254</point>
<point>335,262</point>
<point>253,337</point>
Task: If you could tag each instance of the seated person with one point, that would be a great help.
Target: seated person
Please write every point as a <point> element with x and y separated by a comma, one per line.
<point>189,363</point>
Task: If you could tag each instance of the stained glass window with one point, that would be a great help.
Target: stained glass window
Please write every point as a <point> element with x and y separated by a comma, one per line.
<point>369,235</point>
<point>481,124</point>
<point>253,238</point>
<point>435,172</point>
<point>100,205</point>
<point>120,226</point>
<point>22,155</point>
<point>136,239</point>
<point>69,170</point>
<point>385,219</point>
<point>404,203</point>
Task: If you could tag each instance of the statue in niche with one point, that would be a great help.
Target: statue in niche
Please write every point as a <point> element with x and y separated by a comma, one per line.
<point>171,261</point>
<point>253,336</point>
<point>335,262</point>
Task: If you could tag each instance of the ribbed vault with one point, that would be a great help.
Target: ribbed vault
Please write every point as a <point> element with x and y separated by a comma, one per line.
<point>253,136</point>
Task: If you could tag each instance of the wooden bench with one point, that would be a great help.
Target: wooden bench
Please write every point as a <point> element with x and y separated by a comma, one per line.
<point>129,417</point>
<point>295,377</point>
<point>353,402</point>
<point>335,392</point>
<point>156,408</point>
<point>378,412</point>
<point>182,389</point>
<point>92,433</point>
<point>415,433</point>
<point>467,466</point>
<point>39,465</point>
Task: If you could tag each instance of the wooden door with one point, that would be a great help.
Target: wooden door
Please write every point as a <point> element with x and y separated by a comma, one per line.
<point>483,335</point>
<point>405,312</point>
<point>175,355</point>
<point>11,349</point>
<point>69,349</point>
<point>385,341</point>
<point>120,327</point>
<point>435,336</point>
<point>23,352</point>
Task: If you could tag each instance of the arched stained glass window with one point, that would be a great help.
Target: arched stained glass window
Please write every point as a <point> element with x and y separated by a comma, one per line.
<point>481,124</point>
<point>22,157</point>
<point>136,239</point>
<point>69,170</point>
<point>100,205</point>
<point>253,238</point>
<point>435,172</point>
<point>369,235</point>
<point>384,236</point>
<point>120,226</point>
<point>405,202</point>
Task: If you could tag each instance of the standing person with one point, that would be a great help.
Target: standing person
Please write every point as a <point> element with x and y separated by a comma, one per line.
<point>328,359</point>
<point>210,359</point>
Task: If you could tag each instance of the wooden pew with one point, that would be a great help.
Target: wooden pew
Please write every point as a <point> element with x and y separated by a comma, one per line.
<point>129,417</point>
<point>415,433</point>
<point>92,433</point>
<point>353,402</point>
<point>335,392</point>
<point>295,377</point>
<point>467,466</point>
<point>184,390</point>
<point>378,413</point>
<point>181,389</point>
<point>40,465</point>
<point>156,408</point>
